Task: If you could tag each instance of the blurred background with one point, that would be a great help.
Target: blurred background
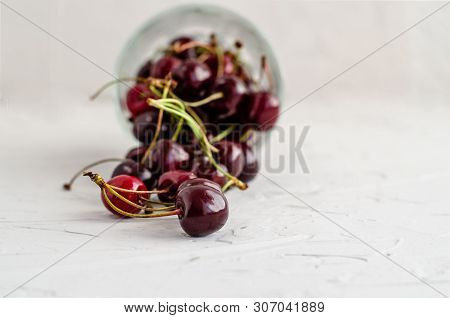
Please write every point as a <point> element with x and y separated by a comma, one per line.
<point>377,152</point>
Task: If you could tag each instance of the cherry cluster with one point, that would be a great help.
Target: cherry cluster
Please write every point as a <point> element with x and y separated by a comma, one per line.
<point>195,111</point>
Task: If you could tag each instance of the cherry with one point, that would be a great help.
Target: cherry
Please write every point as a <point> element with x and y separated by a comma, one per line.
<point>203,168</point>
<point>168,155</point>
<point>128,183</point>
<point>132,168</point>
<point>233,88</point>
<point>145,126</point>
<point>136,99</point>
<point>164,66</point>
<point>185,54</point>
<point>136,153</point>
<point>263,109</point>
<point>192,77</point>
<point>203,209</point>
<point>228,65</point>
<point>145,69</point>
<point>170,181</point>
<point>231,155</point>
<point>251,166</point>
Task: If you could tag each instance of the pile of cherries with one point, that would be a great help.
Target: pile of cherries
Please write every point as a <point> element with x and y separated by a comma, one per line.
<point>195,111</point>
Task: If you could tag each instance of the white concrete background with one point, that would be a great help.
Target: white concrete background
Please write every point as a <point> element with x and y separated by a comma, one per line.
<point>378,153</point>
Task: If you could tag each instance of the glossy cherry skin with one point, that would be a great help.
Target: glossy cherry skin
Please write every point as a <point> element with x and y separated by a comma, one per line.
<point>136,153</point>
<point>165,65</point>
<point>233,88</point>
<point>263,109</point>
<point>204,210</point>
<point>145,124</point>
<point>203,168</point>
<point>251,165</point>
<point>231,155</point>
<point>167,156</point>
<point>129,183</point>
<point>192,77</point>
<point>137,99</point>
<point>185,54</point>
<point>170,181</point>
<point>199,181</point>
<point>145,69</point>
<point>132,168</point>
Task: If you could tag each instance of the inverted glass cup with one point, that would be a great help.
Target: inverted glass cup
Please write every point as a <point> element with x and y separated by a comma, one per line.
<point>198,21</point>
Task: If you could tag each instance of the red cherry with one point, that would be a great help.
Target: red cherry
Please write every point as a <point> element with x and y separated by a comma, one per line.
<point>145,69</point>
<point>251,166</point>
<point>128,183</point>
<point>231,155</point>
<point>132,168</point>
<point>203,168</point>
<point>164,66</point>
<point>192,77</point>
<point>263,109</point>
<point>204,209</point>
<point>145,125</point>
<point>170,181</point>
<point>136,99</point>
<point>228,65</point>
<point>167,156</point>
<point>233,89</point>
<point>185,54</point>
<point>136,154</point>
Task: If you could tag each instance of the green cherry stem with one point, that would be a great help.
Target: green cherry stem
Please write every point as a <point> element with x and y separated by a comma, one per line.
<point>222,134</point>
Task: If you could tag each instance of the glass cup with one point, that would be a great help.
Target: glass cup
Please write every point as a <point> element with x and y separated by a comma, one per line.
<point>198,21</point>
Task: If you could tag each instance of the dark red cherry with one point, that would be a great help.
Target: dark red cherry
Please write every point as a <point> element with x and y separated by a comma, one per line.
<point>263,109</point>
<point>136,154</point>
<point>165,65</point>
<point>128,183</point>
<point>132,168</point>
<point>192,77</point>
<point>145,124</point>
<point>145,69</point>
<point>204,210</point>
<point>170,181</point>
<point>233,88</point>
<point>251,165</point>
<point>231,155</point>
<point>136,99</point>
<point>185,54</point>
<point>167,156</point>
<point>228,65</point>
<point>203,168</point>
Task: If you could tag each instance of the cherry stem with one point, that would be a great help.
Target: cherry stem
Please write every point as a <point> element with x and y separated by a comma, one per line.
<point>222,134</point>
<point>204,101</point>
<point>220,62</point>
<point>247,135</point>
<point>133,215</point>
<point>151,80</point>
<point>227,185</point>
<point>267,71</point>
<point>155,202</point>
<point>178,130</point>
<point>68,186</point>
<point>116,81</point>
<point>121,197</point>
<point>166,105</point>
<point>159,124</point>
<point>189,45</point>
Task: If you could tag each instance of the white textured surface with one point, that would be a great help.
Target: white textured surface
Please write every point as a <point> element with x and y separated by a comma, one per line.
<point>377,152</point>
